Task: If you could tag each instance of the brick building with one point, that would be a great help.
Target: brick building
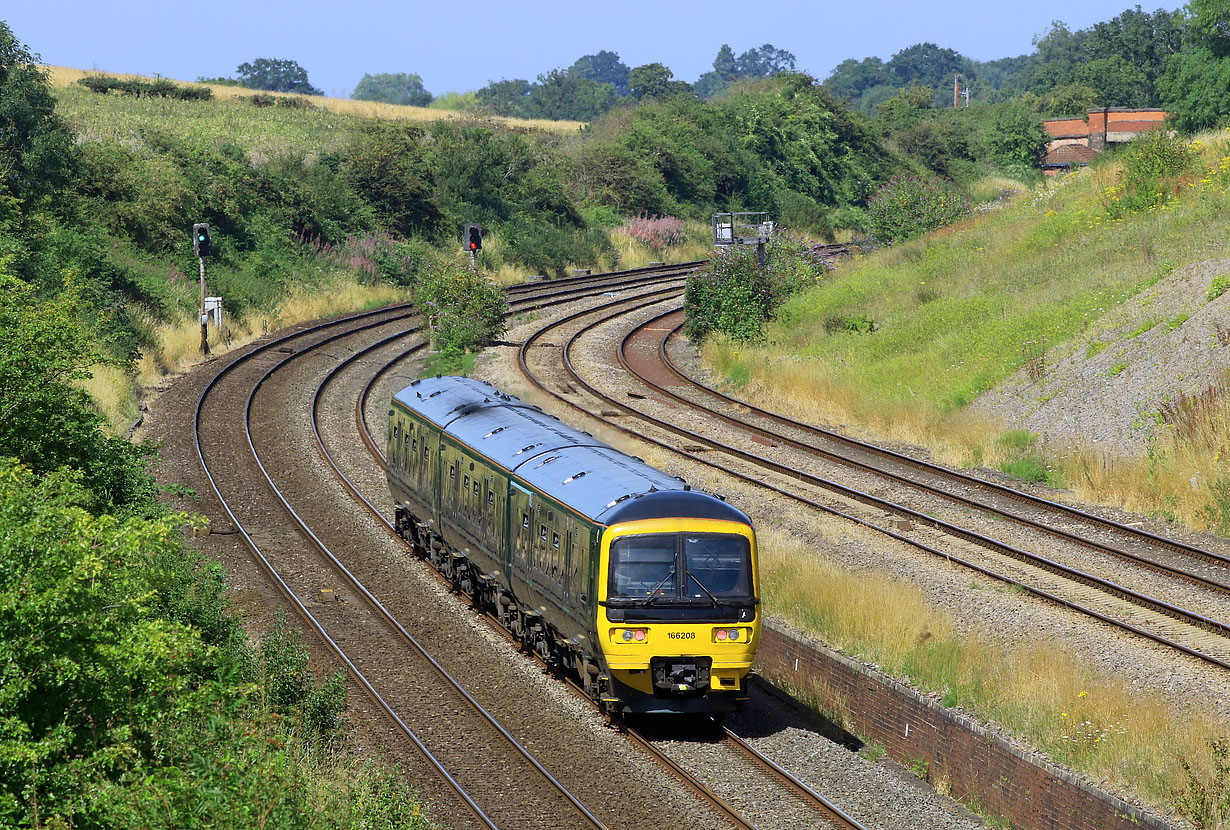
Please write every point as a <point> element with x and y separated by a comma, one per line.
<point>1074,141</point>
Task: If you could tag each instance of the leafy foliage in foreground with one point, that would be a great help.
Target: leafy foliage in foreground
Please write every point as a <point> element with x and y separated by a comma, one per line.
<point>131,700</point>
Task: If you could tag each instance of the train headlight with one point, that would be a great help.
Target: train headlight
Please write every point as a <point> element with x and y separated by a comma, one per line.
<point>731,635</point>
<point>721,634</point>
<point>734,634</point>
<point>630,635</point>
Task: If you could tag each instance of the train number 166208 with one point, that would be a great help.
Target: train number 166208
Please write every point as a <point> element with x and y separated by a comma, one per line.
<point>681,635</point>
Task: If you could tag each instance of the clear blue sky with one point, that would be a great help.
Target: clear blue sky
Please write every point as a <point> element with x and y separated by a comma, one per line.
<point>462,46</point>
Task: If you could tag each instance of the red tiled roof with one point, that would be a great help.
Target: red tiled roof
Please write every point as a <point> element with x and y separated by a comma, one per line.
<point>1069,154</point>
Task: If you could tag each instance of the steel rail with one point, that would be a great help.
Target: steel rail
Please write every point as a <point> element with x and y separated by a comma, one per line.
<point>758,461</point>
<point>898,478</point>
<point>1001,489</point>
<point>808,794</point>
<point>388,615</point>
<point>293,598</point>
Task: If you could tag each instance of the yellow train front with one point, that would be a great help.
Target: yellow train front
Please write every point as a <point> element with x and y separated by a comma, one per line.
<point>644,590</point>
<point>678,619</point>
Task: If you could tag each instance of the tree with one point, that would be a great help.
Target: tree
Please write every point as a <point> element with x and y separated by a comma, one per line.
<point>505,97</point>
<point>1069,100</point>
<point>1196,89</point>
<point>558,95</point>
<point>1017,139</point>
<point>603,68</point>
<point>386,163</point>
<point>1210,25</point>
<point>276,75</point>
<point>393,88</point>
<point>653,80</point>
<point>853,80</point>
<point>765,62</point>
<point>37,150</point>
<point>905,108</point>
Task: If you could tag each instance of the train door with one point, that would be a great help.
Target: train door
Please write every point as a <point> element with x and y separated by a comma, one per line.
<point>520,527</point>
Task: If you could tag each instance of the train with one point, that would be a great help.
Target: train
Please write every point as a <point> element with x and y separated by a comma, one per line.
<point>643,589</point>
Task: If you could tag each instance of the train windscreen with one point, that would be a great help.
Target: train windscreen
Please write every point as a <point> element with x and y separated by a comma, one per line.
<point>659,567</point>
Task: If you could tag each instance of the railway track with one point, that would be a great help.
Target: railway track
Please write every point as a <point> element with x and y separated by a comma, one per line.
<point>487,758</point>
<point>803,805</point>
<point>299,557</point>
<point>786,456</point>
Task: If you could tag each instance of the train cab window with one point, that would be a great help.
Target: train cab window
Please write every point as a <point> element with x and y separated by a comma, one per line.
<point>644,566</point>
<point>555,540</point>
<point>718,564</point>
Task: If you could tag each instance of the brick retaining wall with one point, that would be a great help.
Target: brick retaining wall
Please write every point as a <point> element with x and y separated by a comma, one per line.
<point>977,764</point>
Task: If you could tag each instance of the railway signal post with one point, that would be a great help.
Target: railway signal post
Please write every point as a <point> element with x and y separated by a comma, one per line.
<point>202,247</point>
<point>743,229</point>
<point>472,239</point>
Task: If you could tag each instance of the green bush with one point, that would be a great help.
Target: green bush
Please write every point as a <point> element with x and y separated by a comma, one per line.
<point>550,248</point>
<point>1153,166</point>
<point>731,294</point>
<point>464,311</point>
<point>908,206</point>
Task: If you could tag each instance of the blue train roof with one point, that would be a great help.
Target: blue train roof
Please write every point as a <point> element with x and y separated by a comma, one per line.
<point>571,466</point>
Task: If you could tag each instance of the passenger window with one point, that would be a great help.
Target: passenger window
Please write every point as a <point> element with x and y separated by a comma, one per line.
<point>452,472</point>
<point>525,520</point>
<point>490,498</point>
<point>407,437</point>
<point>465,483</point>
<point>476,487</point>
<point>555,540</point>
<point>426,451</point>
<point>471,466</point>
<point>550,515</point>
<point>414,445</point>
<point>542,533</point>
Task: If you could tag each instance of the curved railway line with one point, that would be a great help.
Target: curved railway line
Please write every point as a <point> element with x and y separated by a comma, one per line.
<point>791,473</point>
<point>468,748</point>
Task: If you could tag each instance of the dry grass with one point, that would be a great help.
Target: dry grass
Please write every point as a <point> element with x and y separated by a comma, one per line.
<point>63,76</point>
<point>634,254</point>
<point>179,341</point>
<point>113,391</point>
<point>955,313</point>
<point>1035,690</point>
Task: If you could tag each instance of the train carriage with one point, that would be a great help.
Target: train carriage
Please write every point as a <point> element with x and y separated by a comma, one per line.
<point>646,589</point>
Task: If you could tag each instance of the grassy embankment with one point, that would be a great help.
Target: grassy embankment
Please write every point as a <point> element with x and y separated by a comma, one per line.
<point>953,314</point>
<point>266,133</point>
<point>63,76</point>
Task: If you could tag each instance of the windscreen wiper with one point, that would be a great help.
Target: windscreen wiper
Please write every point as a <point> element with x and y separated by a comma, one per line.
<point>717,603</point>
<point>653,592</point>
